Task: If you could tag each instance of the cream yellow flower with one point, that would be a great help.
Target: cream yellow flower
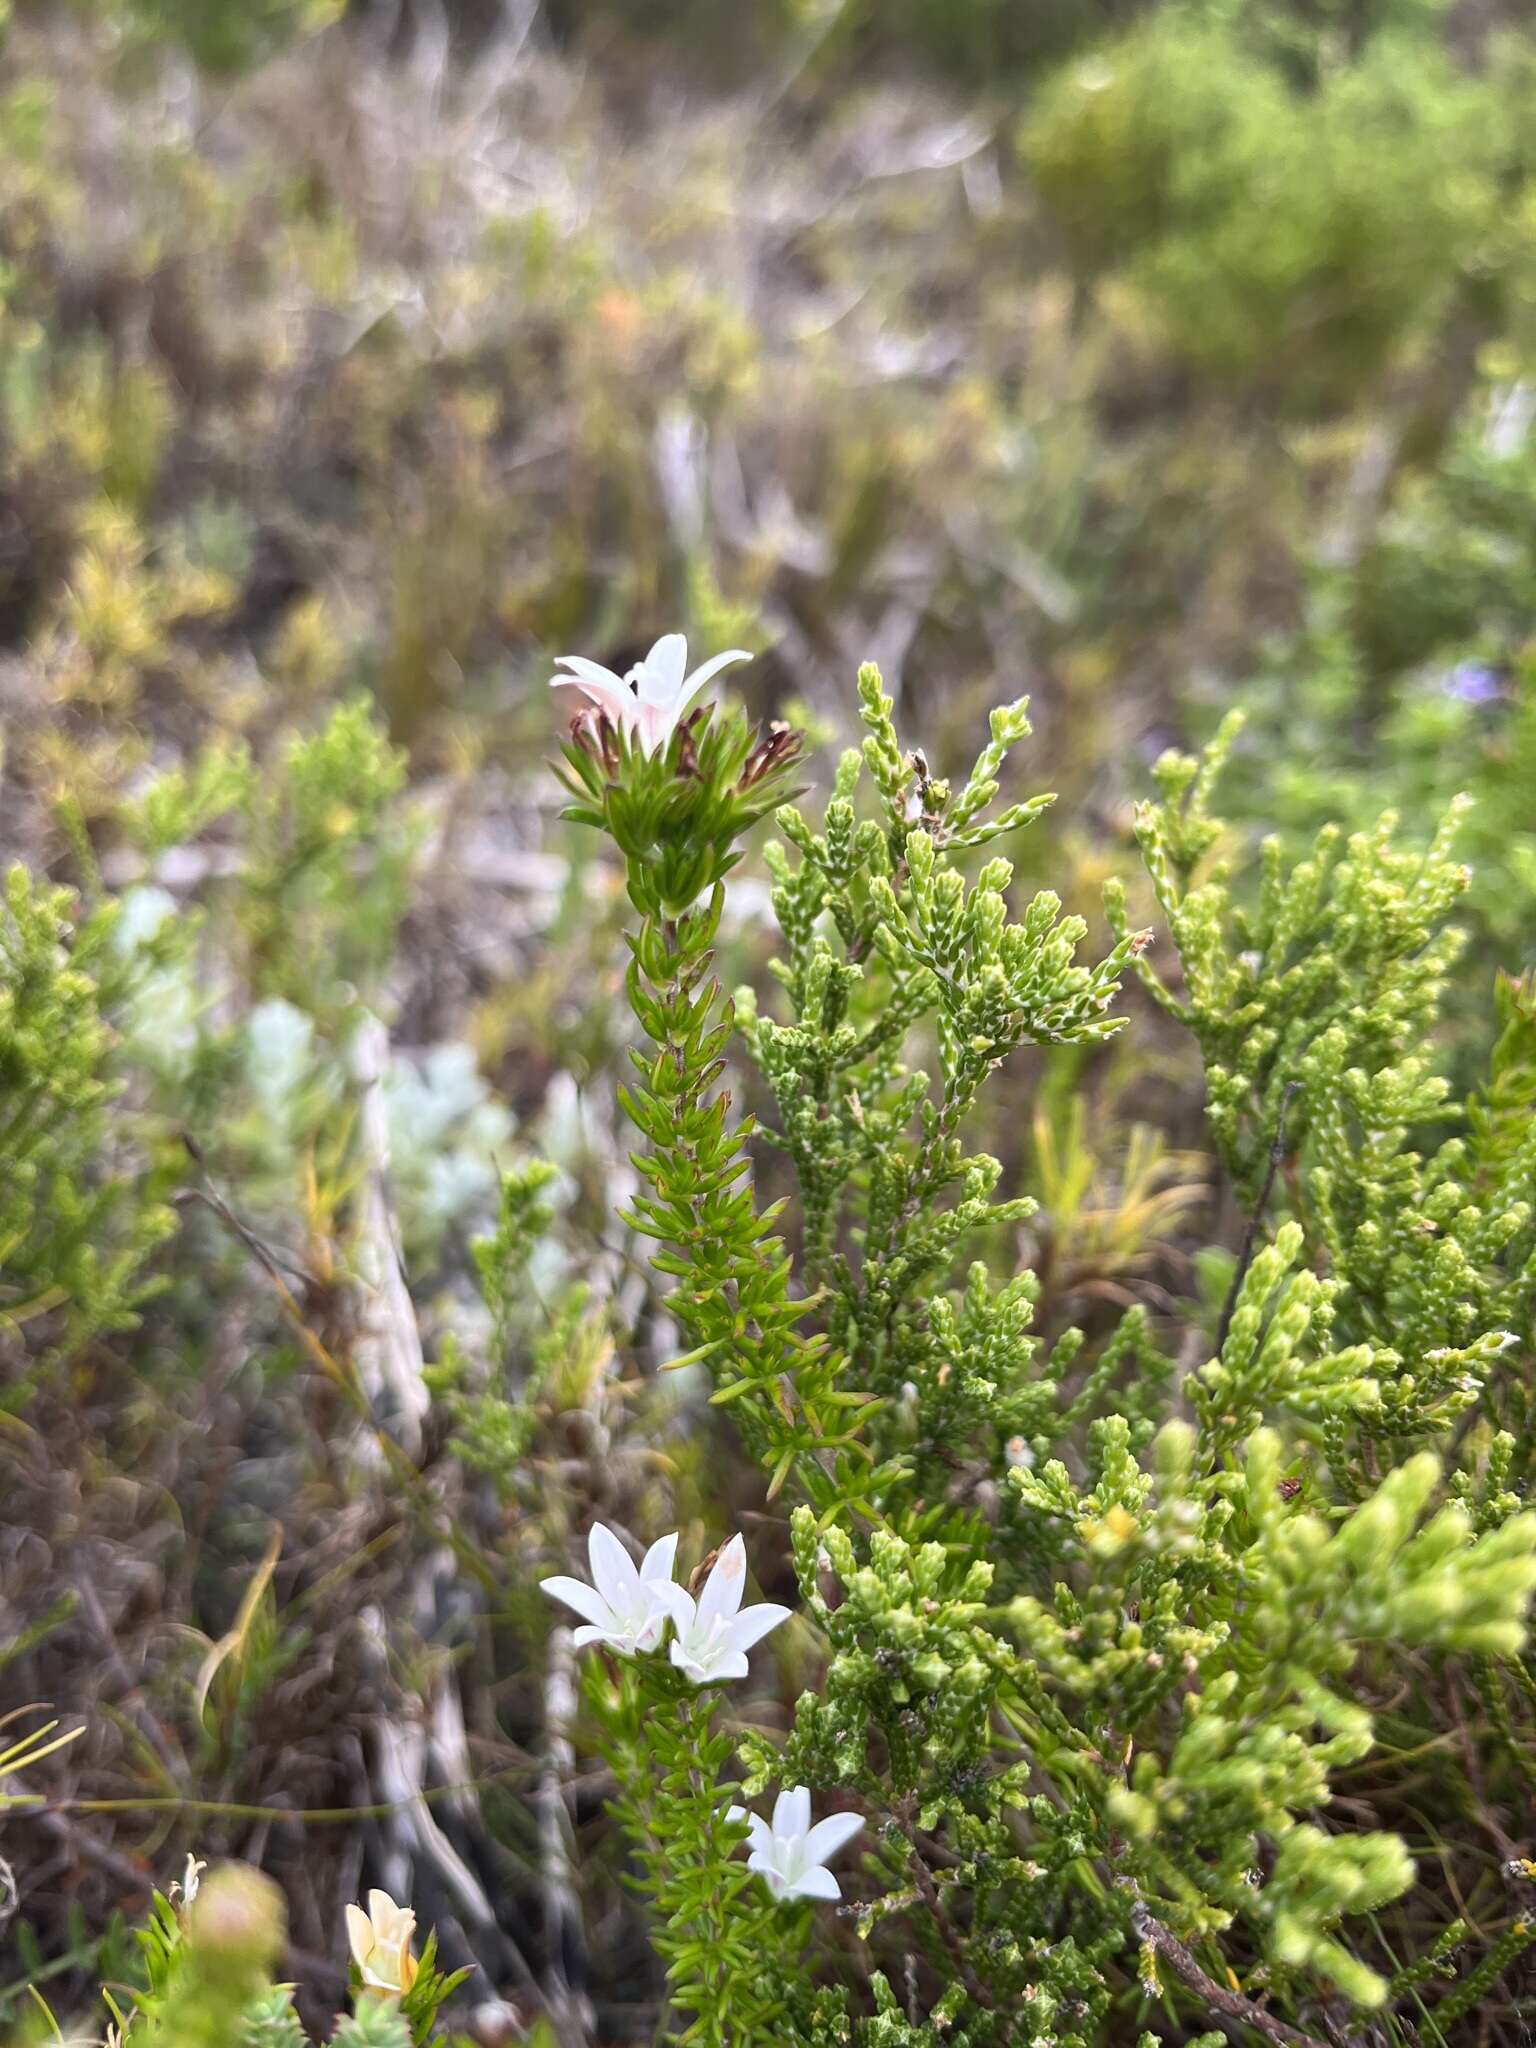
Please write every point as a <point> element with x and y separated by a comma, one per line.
<point>191,1878</point>
<point>381,1943</point>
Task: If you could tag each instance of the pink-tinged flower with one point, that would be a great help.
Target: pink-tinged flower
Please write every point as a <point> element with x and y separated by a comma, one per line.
<point>790,1855</point>
<point>713,1634</point>
<point>623,1608</point>
<point>648,701</point>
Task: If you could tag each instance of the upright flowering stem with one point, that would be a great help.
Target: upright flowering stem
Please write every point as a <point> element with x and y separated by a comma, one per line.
<point>733,1297</point>
<point>677,816</point>
<point>677,807</point>
<point>711,1915</point>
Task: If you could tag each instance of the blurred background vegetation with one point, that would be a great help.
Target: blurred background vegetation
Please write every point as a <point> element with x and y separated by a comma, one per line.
<point>355,360</point>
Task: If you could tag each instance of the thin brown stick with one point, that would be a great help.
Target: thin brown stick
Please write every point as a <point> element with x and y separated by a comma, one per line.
<point>1230,2004</point>
<point>569,2007</point>
<point>949,1934</point>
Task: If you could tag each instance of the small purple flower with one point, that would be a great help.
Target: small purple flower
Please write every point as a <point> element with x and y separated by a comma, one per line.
<point>1472,682</point>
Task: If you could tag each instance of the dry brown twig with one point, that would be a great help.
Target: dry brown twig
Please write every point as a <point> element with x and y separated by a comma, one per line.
<point>1230,2004</point>
<point>949,1934</point>
<point>570,2009</point>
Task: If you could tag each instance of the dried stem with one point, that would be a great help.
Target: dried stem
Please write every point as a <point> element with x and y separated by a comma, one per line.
<point>949,1934</point>
<point>569,2008</point>
<point>1230,2004</point>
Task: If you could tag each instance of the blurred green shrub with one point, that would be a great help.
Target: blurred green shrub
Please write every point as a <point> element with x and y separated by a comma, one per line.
<point>81,1199</point>
<point>1411,677</point>
<point>225,37</point>
<point>1284,232</point>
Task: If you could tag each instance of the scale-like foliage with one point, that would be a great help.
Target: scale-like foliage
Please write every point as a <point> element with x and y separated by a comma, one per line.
<point>1091,1665</point>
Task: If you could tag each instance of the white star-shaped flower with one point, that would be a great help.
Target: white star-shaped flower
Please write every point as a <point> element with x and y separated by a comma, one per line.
<point>713,1634</point>
<point>623,1608</point>
<point>647,702</point>
<point>790,1855</point>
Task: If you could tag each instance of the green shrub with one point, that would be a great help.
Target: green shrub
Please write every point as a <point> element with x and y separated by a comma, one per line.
<point>1297,236</point>
<point>81,1206</point>
<point>226,37</point>
<point>1091,1648</point>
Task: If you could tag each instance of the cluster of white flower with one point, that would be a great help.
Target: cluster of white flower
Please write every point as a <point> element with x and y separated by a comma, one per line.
<point>650,698</point>
<point>627,1608</point>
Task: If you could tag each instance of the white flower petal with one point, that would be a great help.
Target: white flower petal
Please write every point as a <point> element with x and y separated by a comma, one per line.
<point>830,1835</point>
<point>759,1836</point>
<point>662,671</point>
<point>613,1569</point>
<point>653,724</point>
<point>792,1812</point>
<point>592,672</point>
<point>723,1589</point>
<point>706,674</point>
<point>649,702</point>
<point>585,1599</point>
<point>582,1636</point>
<point>654,1627</point>
<point>613,700</point>
<point>678,1604</point>
<point>656,1565</point>
<point>814,1883</point>
<point>713,1667</point>
<point>753,1623</point>
<point>359,1935</point>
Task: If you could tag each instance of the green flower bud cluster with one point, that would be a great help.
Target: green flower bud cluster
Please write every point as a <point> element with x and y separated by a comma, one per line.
<point>676,815</point>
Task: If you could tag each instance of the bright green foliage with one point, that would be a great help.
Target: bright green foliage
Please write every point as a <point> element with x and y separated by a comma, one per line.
<point>491,1431</point>
<point>315,924</point>
<point>1090,1669</point>
<point>1289,206</point>
<point>675,817</point>
<point>179,805</point>
<point>884,940</point>
<point>75,1237</point>
<point>713,1927</point>
<point>1315,1006</point>
<point>1339,965</point>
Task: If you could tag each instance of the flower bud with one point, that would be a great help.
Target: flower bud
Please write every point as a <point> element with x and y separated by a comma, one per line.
<point>237,1917</point>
